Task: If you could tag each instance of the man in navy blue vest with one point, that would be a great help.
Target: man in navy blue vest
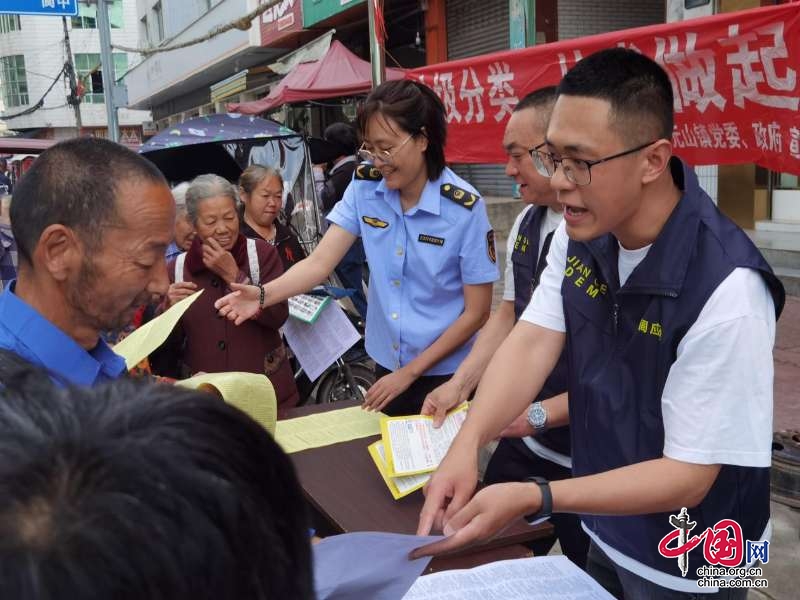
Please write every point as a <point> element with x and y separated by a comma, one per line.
<point>528,446</point>
<point>668,314</point>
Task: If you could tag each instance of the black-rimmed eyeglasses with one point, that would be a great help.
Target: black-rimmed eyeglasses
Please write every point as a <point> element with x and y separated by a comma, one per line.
<point>576,170</point>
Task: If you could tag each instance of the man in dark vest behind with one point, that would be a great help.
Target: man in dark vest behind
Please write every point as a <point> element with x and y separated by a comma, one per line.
<point>528,446</point>
<point>668,314</point>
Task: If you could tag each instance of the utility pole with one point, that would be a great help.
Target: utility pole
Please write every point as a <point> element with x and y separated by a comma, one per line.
<point>376,55</point>
<point>107,69</point>
<point>73,98</point>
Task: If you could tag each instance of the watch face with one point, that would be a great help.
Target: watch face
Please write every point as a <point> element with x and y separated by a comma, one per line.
<point>537,416</point>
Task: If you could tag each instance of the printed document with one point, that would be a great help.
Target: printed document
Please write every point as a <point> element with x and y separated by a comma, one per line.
<point>324,429</point>
<point>414,446</point>
<point>542,578</point>
<point>251,393</point>
<point>317,345</point>
<point>141,343</point>
<point>398,486</point>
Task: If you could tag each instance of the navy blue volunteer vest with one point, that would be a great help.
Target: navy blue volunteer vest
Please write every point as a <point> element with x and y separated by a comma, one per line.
<point>621,344</point>
<point>528,267</point>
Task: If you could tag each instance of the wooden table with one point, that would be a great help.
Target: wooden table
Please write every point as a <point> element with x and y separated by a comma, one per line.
<point>346,493</point>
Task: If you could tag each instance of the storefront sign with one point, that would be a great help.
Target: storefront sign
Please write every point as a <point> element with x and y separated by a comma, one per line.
<point>279,20</point>
<point>315,11</point>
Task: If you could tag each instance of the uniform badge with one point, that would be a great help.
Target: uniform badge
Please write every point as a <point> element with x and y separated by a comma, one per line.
<point>490,249</point>
<point>458,195</point>
<point>368,173</point>
<point>375,222</point>
<point>430,239</point>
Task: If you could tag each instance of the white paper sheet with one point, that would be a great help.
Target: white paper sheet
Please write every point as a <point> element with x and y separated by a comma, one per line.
<point>318,345</point>
<point>542,578</point>
<point>367,565</point>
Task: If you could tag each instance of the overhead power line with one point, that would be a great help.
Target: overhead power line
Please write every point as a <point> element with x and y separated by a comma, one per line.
<point>242,24</point>
<point>40,103</point>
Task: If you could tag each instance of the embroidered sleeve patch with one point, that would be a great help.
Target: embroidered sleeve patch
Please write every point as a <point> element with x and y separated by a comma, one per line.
<point>375,222</point>
<point>368,173</point>
<point>430,239</point>
<point>459,196</point>
<point>490,249</point>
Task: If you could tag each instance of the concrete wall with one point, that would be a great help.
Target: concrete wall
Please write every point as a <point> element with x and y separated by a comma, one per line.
<point>159,73</point>
<point>177,14</point>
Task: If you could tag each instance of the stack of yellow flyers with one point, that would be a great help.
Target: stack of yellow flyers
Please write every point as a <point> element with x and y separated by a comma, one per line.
<point>410,449</point>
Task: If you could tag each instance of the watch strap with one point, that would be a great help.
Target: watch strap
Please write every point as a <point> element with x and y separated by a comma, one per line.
<point>546,509</point>
<point>537,407</point>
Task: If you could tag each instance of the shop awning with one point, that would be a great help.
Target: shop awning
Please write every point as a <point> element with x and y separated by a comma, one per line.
<point>338,73</point>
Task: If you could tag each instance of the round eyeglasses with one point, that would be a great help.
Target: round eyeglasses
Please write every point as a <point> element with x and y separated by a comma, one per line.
<point>385,156</point>
<point>576,170</point>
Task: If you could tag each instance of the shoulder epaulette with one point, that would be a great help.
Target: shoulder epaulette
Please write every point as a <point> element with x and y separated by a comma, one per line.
<point>368,173</point>
<point>459,196</point>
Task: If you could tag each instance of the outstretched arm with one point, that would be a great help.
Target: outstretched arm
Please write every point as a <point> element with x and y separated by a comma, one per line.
<point>515,374</point>
<point>243,302</point>
<point>466,378</point>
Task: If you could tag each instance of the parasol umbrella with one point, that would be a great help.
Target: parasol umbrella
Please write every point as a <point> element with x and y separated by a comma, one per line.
<point>216,144</point>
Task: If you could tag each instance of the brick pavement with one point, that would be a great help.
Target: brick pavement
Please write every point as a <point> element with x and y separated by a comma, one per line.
<point>787,367</point>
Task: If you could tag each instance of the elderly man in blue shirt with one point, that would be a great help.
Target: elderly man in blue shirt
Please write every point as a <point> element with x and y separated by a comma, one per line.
<point>92,221</point>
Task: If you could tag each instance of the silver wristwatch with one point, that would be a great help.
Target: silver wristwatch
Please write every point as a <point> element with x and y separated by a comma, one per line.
<point>537,417</point>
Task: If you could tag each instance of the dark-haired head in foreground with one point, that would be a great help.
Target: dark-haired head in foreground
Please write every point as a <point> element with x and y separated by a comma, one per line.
<point>143,492</point>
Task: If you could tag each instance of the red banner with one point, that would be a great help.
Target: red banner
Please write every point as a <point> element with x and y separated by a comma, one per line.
<point>735,78</point>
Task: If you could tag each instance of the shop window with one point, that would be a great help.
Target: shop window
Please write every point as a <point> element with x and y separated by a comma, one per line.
<point>87,16</point>
<point>87,67</point>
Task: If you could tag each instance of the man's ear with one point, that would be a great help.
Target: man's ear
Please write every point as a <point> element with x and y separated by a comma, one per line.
<point>657,157</point>
<point>59,251</point>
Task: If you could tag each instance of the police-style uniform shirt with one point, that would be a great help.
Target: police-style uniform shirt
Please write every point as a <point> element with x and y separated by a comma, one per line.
<point>419,261</point>
<point>28,334</point>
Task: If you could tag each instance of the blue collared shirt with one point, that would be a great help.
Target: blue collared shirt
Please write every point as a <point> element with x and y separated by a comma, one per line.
<point>28,334</point>
<point>172,251</point>
<point>419,262</point>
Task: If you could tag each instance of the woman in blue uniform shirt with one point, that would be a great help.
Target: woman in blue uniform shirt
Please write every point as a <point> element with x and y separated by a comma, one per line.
<point>428,243</point>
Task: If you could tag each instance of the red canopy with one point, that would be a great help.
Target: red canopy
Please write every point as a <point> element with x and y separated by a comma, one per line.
<point>338,73</point>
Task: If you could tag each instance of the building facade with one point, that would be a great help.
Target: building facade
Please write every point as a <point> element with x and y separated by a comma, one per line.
<point>242,64</point>
<point>467,28</point>
<point>32,57</point>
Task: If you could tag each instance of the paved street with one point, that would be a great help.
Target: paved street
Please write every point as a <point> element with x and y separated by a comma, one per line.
<point>787,367</point>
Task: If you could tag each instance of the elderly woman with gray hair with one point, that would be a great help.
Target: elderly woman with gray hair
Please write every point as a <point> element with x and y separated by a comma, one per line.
<point>219,255</point>
<point>184,230</point>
